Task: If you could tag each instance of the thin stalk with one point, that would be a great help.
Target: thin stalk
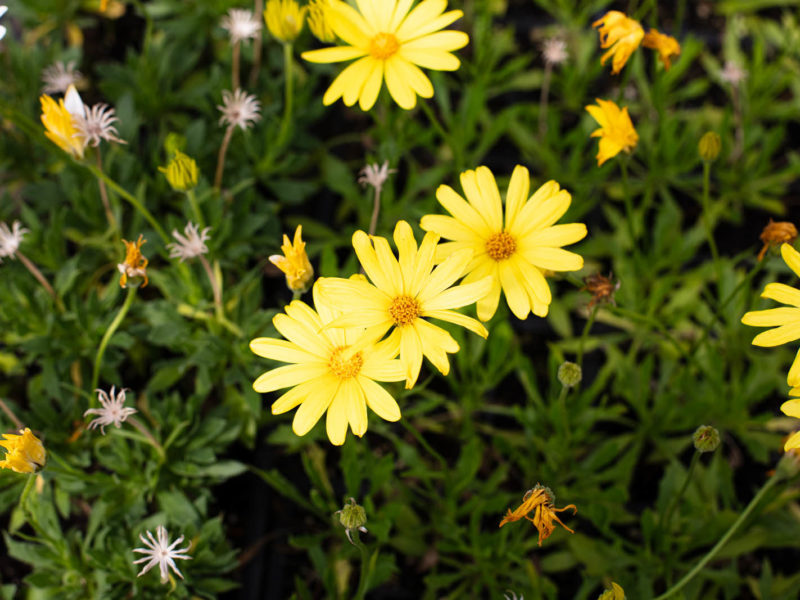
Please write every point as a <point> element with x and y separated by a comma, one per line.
<point>366,570</point>
<point>195,208</point>
<point>146,433</point>
<point>623,165</point>
<point>723,540</point>
<point>543,97</point>
<point>10,414</point>
<point>667,515</point>
<point>585,334</point>
<point>418,436</point>
<point>215,287</point>
<point>104,193</point>
<point>562,407</point>
<point>101,350</point>
<point>223,149</point>
<point>39,277</point>
<point>376,209</point>
<point>258,11</point>
<point>738,146</point>
<point>437,125</point>
<point>288,94</point>
<point>237,52</point>
<point>707,213</point>
<point>130,198</point>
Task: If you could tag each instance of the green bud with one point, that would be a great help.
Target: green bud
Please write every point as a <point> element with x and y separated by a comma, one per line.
<point>569,374</point>
<point>352,516</point>
<point>181,172</point>
<point>174,142</point>
<point>615,593</point>
<point>706,438</point>
<point>709,146</point>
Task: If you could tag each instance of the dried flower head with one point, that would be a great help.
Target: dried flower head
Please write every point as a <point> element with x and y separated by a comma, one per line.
<point>24,452</point>
<point>241,25</point>
<point>774,234</point>
<point>732,73</point>
<point>96,124</point>
<point>294,262</point>
<point>284,19</point>
<point>59,76</point>
<point>554,51</point>
<point>160,552</point>
<point>10,239</point>
<point>239,109</point>
<point>601,288</point>
<point>706,438</point>
<point>113,411</point>
<point>541,500</point>
<point>666,46</point>
<point>189,245</point>
<point>375,175</point>
<point>134,265</point>
<point>318,22</point>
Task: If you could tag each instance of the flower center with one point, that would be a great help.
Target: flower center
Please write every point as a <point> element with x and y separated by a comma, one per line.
<point>500,246</point>
<point>404,310</point>
<point>345,366</point>
<point>383,45</point>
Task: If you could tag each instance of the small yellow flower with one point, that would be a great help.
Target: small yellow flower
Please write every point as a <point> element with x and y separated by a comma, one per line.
<point>284,19</point>
<point>615,593</point>
<point>331,369</point>
<point>709,146</point>
<point>294,262</point>
<point>791,408</point>
<point>514,250</point>
<point>616,131</point>
<point>785,320</point>
<point>390,42</point>
<point>666,45</point>
<point>541,500</point>
<point>134,265</point>
<point>59,126</point>
<point>24,452</point>
<point>774,234</point>
<point>621,35</point>
<point>318,22</point>
<point>181,172</point>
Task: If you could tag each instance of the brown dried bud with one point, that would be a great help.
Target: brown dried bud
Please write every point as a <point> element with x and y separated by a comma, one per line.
<point>775,234</point>
<point>601,288</point>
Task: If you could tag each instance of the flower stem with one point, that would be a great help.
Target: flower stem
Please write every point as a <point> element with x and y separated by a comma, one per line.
<point>707,213</point>
<point>195,208</point>
<point>215,287</point>
<point>548,72</point>
<point>146,433</point>
<point>585,334</point>
<point>289,95</point>
<point>104,194</point>
<point>258,11</point>
<point>223,149</point>
<point>437,125</point>
<point>562,407</point>
<point>130,198</point>
<point>623,165</point>
<point>366,570</point>
<point>376,209</point>
<point>10,414</point>
<point>722,541</point>
<point>40,278</point>
<point>237,52</point>
<point>101,350</point>
<point>667,515</point>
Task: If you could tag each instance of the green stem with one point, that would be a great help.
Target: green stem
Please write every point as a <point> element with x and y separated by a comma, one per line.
<point>585,334</point>
<point>195,208</point>
<point>366,571</point>
<point>623,165</point>
<point>437,125</point>
<point>667,515</point>
<point>562,407</point>
<point>418,436</point>
<point>289,95</point>
<point>130,198</point>
<point>98,359</point>
<point>707,214</point>
<point>723,540</point>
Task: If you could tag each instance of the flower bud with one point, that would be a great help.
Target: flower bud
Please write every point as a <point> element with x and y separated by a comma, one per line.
<point>352,517</point>
<point>284,19</point>
<point>181,172</point>
<point>615,593</point>
<point>318,23</point>
<point>706,438</point>
<point>569,374</point>
<point>709,146</point>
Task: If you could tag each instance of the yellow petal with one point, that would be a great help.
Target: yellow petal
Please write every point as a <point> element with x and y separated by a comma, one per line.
<point>457,318</point>
<point>296,396</point>
<point>333,54</point>
<point>487,305</point>
<point>406,252</point>
<point>369,261</point>
<point>356,406</point>
<point>410,354</point>
<point>429,58</point>
<point>555,236</point>
<point>782,293</point>
<point>281,350</point>
<point>791,257</point>
<point>314,406</point>
<point>462,211</point>
<point>447,227</point>
<point>436,343</point>
<point>771,317</point>
<point>446,41</point>
<point>443,277</point>
<point>336,419</point>
<point>793,379</point>
<point>779,335</point>
<point>791,408</point>
<point>379,400</point>
<point>793,442</point>
<point>349,82</point>
<point>372,86</point>
<point>400,89</point>
<point>554,259</point>
<point>515,292</point>
<point>411,74</point>
<point>424,32</point>
<point>400,12</point>
<point>539,215</point>
<point>302,335</point>
<point>288,376</point>
<point>535,283</point>
<point>459,295</point>
<point>517,194</point>
<point>350,25</point>
<point>422,14</point>
<point>389,266</point>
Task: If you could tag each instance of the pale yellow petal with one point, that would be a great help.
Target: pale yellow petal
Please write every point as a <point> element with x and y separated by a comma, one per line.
<point>356,407</point>
<point>555,236</point>
<point>554,259</point>
<point>389,266</point>
<point>487,305</point>
<point>436,343</point>
<point>411,74</point>
<point>793,379</point>
<point>400,11</point>
<point>373,14</point>
<point>446,41</point>
<point>336,419</point>
<point>448,228</point>
<point>517,194</point>
<point>422,14</point>
<point>333,54</point>
<point>302,335</point>
<point>443,276</point>
<point>515,291</point>
<point>348,24</point>
<point>288,376</point>
<point>426,256</point>
<point>381,368</point>
<point>349,81</point>
<point>429,58</point>
<point>791,257</point>
<point>400,89</point>
<point>363,318</point>
<point>791,408</point>
<point>410,354</point>
<point>462,211</point>
<point>772,317</point>
<point>459,295</point>
<point>281,350</point>
<point>372,86</point>
<point>483,204</point>
<point>423,35</point>
<point>296,396</point>
<point>538,215</point>
<point>379,400</point>
<point>539,291</point>
<point>314,406</point>
<point>457,318</point>
<point>369,261</point>
<point>782,293</point>
<point>406,253</point>
<point>779,335</point>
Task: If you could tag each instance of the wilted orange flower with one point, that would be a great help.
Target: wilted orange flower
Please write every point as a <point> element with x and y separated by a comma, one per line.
<point>666,45</point>
<point>601,288</point>
<point>775,234</point>
<point>542,501</point>
<point>621,35</point>
<point>24,452</point>
<point>135,264</point>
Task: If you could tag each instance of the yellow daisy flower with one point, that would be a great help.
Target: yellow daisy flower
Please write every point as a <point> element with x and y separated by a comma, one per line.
<point>616,131</point>
<point>24,452</point>
<point>666,45</point>
<point>785,320</point>
<point>57,119</point>
<point>404,294</point>
<point>331,369</point>
<point>513,252</point>
<point>791,408</point>
<point>621,35</point>
<point>390,43</point>
<point>294,262</point>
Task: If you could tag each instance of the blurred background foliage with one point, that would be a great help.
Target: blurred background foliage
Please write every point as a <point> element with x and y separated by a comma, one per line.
<point>257,502</point>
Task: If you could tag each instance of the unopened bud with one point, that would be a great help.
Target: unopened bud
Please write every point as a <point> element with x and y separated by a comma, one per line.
<point>709,146</point>
<point>352,517</point>
<point>569,374</point>
<point>615,593</point>
<point>706,438</point>
<point>181,172</point>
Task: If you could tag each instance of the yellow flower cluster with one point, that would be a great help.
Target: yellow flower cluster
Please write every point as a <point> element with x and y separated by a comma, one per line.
<point>620,36</point>
<point>378,328</point>
<point>24,452</point>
